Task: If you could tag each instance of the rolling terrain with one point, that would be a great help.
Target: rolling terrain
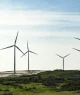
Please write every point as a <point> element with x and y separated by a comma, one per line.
<point>56,82</point>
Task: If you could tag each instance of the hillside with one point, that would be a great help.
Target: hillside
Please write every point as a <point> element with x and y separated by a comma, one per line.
<point>56,82</point>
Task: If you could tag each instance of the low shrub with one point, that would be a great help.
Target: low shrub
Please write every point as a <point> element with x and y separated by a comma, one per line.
<point>70,86</point>
<point>7,93</point>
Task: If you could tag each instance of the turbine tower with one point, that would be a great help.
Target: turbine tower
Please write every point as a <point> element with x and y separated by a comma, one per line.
<point>14,51</point>
<point>28,54</point>
<point>63,59</point>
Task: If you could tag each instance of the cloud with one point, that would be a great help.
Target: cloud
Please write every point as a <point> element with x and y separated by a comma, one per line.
<point>24,18</point>
<point>38,18</point>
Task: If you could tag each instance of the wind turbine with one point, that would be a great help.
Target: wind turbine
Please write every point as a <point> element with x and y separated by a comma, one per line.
<point>14,51</point>
<point>63,59</point>
<point>28,54</point>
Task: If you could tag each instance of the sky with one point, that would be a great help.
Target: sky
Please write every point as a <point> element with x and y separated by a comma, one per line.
<point>49,26</point>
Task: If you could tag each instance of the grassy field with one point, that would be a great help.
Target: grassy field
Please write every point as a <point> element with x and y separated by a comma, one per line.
<point>31,89</point>
<point>45,83</point>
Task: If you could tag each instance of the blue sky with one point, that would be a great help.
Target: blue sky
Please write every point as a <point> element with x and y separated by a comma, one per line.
<point>48,25</point>
<point>47,5</point>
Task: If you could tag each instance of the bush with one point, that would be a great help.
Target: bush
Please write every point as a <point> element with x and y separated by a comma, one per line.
<point>21,87</point>
<point>70,86</point>
<point>9,83</point>
<point>6,89</point>
<point>28,89</point>
<point>7,93</point>
<point>50,81</point>
<point>35,78</point>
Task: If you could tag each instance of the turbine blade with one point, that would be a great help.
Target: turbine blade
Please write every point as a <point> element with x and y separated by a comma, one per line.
<point>24,54</point>
<point>19,49</point>
<point>33,52</point>
<point>27,45</point>
<point>16,37</point>
<point>59,55</point>
<point>77,38</point>
<point>76,49</point>
<point>7,47</point>
<point>67,55</point>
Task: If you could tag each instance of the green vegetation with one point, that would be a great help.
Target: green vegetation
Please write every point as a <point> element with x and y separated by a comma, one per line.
<point>56,82</point>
